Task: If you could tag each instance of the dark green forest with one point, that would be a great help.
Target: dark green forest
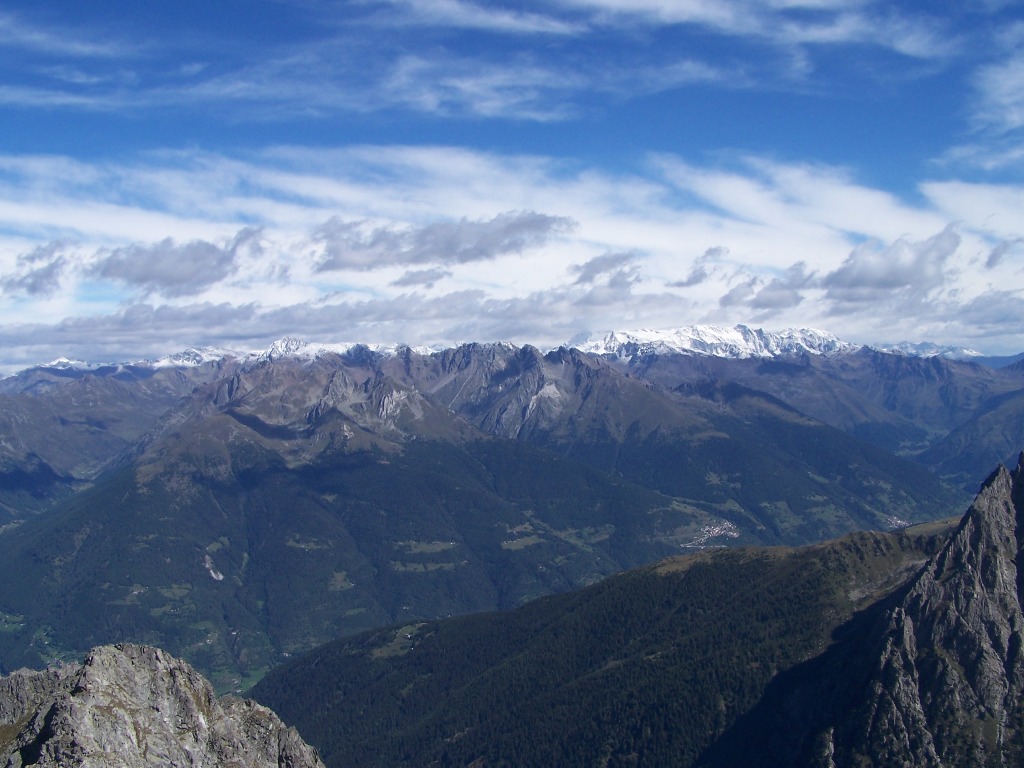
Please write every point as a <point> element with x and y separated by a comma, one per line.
<point>645,668</point>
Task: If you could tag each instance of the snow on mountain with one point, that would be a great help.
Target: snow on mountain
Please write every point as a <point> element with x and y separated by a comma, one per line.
<point>740,342</point>
<point>287,347</point>
<point>290,347</point>
<point>64,364</point>
<point>927,349</point>
<point>192,357</point>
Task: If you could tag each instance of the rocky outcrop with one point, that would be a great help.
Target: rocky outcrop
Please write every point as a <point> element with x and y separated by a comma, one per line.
<point>135,706</point>
<point>947,686</point>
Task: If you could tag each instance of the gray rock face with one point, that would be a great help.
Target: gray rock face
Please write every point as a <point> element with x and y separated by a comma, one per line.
<point>131,706</point>
<point>947,688</point>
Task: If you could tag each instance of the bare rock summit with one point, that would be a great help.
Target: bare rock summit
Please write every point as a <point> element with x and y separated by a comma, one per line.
<point>133,706</point>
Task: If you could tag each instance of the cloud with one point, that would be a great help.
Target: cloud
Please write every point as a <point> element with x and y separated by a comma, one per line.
<point>906,269</point>
<point>1000,86</point>
<point>1002,94</point>
<point>784,292</point>
<point>792,23</point>
<point>740,294</point>
<point>17,33</point>
<point>415,252</point>
<point>993,209</point>
<point>41,271</point>
<point>699,274</point>
<point>995,257</point>
<point>424,277</point>
<point>607,280</point>
<point>609,264</point>
<point>174,269</point>
<point>544,65</point>
<point>353,245</point>
<point>467,15</point>
<point>451,86</point>
<point>994,312</point>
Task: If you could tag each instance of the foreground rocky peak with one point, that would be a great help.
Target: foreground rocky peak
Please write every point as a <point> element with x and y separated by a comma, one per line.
<point>130,705</point>
<point>947,685</point>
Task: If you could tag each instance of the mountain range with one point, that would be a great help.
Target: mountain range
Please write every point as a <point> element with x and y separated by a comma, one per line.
<point>239,509</point>
<point>885,648</point>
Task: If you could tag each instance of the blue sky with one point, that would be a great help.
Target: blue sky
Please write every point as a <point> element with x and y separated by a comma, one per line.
<point>441,171</point>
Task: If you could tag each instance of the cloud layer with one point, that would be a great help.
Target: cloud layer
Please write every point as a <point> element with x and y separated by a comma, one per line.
<point>448,170</point>
<point>387,261</point>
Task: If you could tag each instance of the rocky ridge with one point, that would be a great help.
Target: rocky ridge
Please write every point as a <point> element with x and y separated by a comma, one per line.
<point>947,685</point>
<point>932,678</point>
<point>133,706</point>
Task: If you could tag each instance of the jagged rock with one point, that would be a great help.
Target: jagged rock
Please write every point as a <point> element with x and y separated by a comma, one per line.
<point>946,688</point>
<point>131,705</point>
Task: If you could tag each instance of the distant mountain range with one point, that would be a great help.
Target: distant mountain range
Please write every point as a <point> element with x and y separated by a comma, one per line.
<point>899,648</point>
<point>238,509</point>
<point>738,342</point>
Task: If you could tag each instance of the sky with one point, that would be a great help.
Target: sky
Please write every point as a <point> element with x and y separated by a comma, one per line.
<point>432,172</point>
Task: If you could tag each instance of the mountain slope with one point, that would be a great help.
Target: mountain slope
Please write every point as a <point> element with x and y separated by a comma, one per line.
<point>240,567</point>
<point>876,649</point>
<point>904,404</point>
<point>60,427</point>
<point>994,429</point>
<point>777,475</point>
<point>932,677</point>
<point>946,689</point>
<point>289,498</point>
<point>646,668</point>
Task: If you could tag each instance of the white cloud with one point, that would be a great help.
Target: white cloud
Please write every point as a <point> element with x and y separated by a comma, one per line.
<point>39,272</point>
<point>352,245</point>
<point>426,57</point>
<point>440,245</point>
<point>790,23</point>
<point>15,32</point>
<point>908,269</point>
<point>468,15</point>
<point>1001,94</point>
<point>994,209</point>
<point>174,269</point>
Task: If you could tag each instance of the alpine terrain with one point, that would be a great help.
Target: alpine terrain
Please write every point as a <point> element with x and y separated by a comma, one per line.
<point>898,648</point>
<point>240,508</point>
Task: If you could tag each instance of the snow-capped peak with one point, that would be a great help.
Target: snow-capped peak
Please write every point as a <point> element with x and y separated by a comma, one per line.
<point>64,364</point>
<point>192,357</point>
<point>738,342</point>
<point>927,349</point>
<point>290,347</point>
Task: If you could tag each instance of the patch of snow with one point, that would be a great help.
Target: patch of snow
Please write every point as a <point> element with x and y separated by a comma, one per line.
<point>739,342</point>
<point>192,357</point>
<point>214,573</point>
<point>290,347</point>
<point>927,349</point>
<point>64,364</point>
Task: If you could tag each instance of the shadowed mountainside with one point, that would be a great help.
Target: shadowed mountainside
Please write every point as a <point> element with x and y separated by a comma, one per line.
<point>884,649</point>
